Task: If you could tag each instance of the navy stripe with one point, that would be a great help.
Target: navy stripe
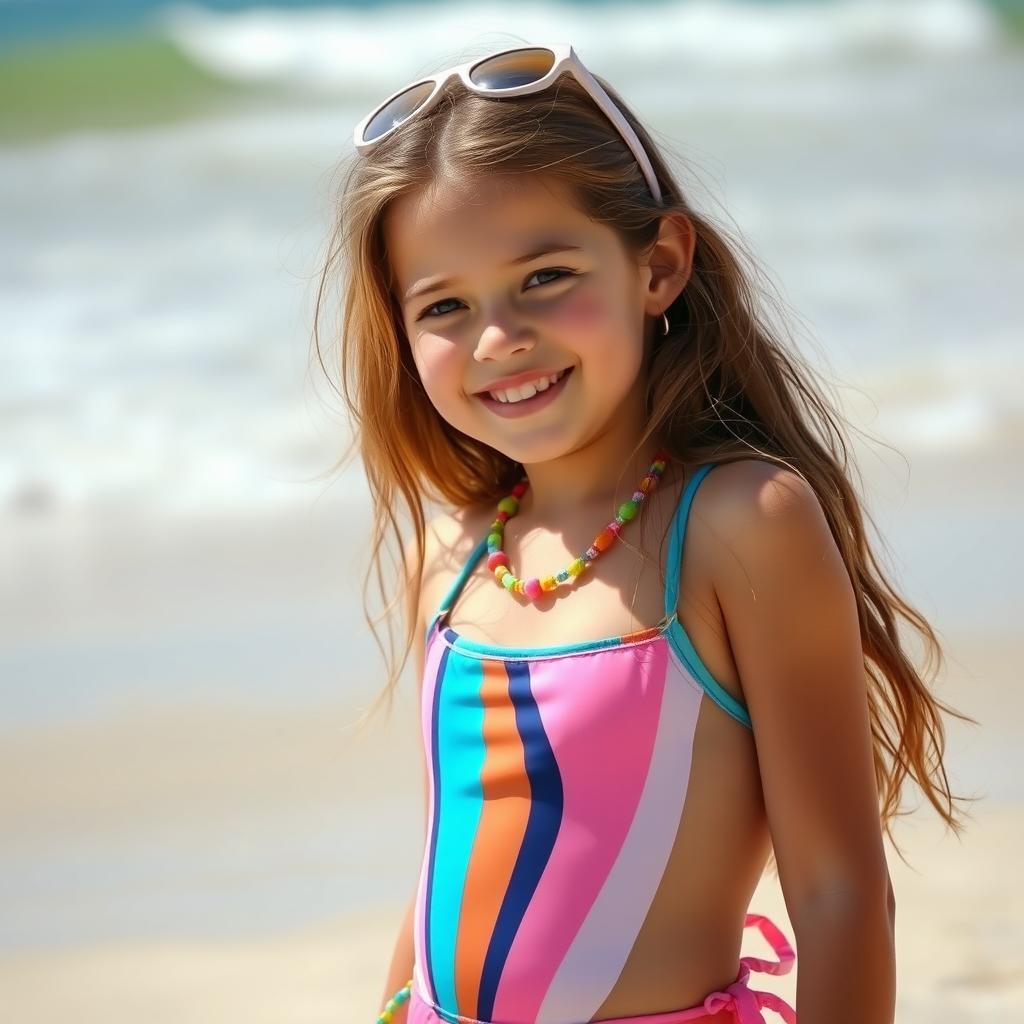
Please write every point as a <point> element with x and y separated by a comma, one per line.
<point>542,825</point>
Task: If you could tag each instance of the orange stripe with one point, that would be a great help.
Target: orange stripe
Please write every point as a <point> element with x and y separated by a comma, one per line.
<point>506,808</point>
<point>640,634</point>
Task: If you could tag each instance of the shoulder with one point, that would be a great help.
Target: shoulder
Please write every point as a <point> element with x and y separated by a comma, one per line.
<point>449,537</point>
<point>760,507</point>
<point>772,554</point>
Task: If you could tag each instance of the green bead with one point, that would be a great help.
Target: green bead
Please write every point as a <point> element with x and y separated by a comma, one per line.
<point>509,581</point>
<point>509,505</point>
<point>495,539</point>
<point>627,510</point>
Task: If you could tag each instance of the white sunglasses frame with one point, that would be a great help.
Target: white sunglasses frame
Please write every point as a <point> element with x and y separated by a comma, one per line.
<point>566,59</point>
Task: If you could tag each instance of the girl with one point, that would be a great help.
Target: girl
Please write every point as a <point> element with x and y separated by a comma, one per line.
<point>653,646</point>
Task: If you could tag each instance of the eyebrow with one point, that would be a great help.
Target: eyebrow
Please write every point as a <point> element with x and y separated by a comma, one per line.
<point>545,249</point>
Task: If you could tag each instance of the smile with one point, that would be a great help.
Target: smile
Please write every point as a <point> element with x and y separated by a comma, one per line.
<point>527,398</point>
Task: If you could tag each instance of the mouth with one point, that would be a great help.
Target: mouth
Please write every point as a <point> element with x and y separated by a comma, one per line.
<point>526,406</point>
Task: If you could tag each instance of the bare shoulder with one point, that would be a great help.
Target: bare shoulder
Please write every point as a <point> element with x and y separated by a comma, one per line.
<point>761,515</point>
<point>451,535</point>
<point>772,553</point>
<point>743,494</point>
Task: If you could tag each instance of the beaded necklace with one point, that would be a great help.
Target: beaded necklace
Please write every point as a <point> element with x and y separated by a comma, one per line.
<point>497,560</point>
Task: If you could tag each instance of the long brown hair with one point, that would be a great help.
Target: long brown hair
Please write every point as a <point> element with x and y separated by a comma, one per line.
<point>722,385</point>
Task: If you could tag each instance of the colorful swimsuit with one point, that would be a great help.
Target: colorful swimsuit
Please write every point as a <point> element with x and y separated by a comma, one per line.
<point>557,777</point>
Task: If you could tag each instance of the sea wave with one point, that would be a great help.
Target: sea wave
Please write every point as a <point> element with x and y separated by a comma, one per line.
<point>355,50</point>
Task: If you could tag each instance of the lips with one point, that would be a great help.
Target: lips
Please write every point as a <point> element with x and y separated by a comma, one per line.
<point>527,406</point>
<point>520,379</point>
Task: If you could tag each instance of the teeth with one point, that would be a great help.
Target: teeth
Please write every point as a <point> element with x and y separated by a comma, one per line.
<point>527,390</point>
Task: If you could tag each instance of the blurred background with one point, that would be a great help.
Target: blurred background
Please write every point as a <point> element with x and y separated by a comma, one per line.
<point>192,829</point>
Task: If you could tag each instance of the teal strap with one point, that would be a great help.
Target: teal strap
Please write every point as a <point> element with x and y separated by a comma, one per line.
<point>675,544</point>
<point>459,581</point>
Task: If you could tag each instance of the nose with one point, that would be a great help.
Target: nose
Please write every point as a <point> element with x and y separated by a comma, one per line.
<point>499,340</point>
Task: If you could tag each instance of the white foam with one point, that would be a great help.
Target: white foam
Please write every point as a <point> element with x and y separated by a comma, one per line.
<point>364,51</point>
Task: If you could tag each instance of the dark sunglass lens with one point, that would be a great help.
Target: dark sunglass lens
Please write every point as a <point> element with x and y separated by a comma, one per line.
<point>395,112</point>
<point>507,70</point>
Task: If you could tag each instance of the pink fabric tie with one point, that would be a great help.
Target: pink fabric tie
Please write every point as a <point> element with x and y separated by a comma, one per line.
<point>747,1002</point>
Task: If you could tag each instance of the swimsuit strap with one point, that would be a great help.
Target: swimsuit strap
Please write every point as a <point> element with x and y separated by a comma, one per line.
<point>747,1003</point>
<point>459,581</point>
<point>675,545</point>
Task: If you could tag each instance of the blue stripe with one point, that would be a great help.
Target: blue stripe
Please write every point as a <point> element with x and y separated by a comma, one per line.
<point>542,825</point>
<point>458,731</point>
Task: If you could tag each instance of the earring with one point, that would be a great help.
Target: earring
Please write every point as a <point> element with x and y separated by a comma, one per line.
<point>664,316</point>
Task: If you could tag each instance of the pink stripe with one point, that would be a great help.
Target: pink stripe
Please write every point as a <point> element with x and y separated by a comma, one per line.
<point>605,703</point>
<point>604,942</point>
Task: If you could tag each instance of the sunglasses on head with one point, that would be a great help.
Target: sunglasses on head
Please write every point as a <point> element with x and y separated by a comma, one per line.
<point>514,72</point>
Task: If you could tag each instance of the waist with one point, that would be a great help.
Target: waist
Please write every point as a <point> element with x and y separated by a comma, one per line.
<point>570,988</point>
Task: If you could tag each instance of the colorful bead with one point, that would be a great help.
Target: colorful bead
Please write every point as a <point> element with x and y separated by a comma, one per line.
<point>386,1015</point>
<point>534,587</point>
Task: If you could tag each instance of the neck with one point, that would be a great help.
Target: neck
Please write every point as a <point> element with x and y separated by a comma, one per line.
<point>603,473</point>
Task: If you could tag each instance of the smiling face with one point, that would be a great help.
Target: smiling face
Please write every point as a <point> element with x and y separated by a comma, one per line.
<point>482,300</point>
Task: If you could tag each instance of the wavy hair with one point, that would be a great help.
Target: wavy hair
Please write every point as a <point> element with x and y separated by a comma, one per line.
<point>722,385</point>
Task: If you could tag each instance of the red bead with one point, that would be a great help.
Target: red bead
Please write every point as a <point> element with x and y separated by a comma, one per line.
<point>503,516</point>
<point>532,587</point>
<point>519,490</point>
<point>496,558</point>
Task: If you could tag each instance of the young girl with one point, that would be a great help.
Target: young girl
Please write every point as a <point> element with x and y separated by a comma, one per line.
<point>653,645</point>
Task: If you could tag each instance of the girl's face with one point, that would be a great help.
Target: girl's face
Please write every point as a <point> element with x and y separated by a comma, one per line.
<point>482,298</point>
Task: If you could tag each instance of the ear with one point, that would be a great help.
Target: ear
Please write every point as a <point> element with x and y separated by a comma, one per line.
<point>668,262</point>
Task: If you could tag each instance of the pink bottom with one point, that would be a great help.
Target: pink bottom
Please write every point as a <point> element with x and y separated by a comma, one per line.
<point>736,1004</point>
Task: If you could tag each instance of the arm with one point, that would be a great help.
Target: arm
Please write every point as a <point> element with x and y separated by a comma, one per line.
<point>403,955</point>
<point>790,612</point>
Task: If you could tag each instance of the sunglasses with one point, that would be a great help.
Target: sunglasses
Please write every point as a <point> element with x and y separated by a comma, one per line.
<point>515,72</point>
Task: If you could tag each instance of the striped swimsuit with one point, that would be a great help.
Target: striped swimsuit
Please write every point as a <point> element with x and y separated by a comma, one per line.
<point>556,781</point>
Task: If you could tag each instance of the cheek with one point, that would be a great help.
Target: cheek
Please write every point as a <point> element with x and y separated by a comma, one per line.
<point>583,311</point>
<point>438,363</point>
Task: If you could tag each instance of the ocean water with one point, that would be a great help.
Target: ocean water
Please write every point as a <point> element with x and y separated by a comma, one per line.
<point>165,175</point>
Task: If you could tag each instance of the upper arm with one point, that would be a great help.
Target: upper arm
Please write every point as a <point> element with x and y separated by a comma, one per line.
<point>791,616</point>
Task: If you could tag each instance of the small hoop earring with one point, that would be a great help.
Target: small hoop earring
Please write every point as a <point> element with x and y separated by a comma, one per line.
<point>664,316</point>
